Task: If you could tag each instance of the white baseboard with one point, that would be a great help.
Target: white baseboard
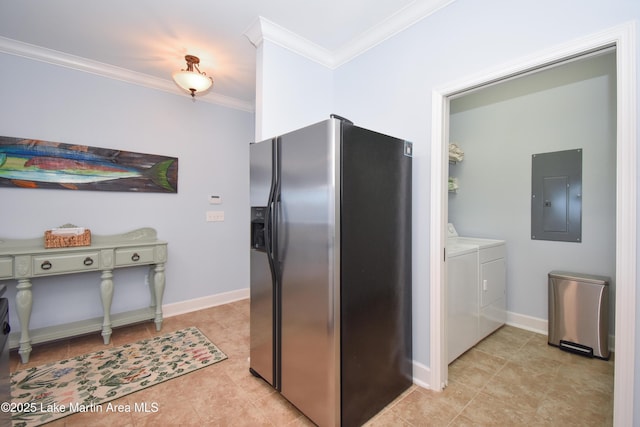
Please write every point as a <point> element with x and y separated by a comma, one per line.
<point>529,323</point>
<point>421,375</point>
<point>188,306</point>
<point>540,326</point>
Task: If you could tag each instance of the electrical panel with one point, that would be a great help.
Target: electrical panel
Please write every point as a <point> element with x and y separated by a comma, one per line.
<point>556,196</point>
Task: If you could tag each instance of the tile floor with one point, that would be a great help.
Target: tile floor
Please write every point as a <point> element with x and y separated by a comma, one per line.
<point>512,378</point>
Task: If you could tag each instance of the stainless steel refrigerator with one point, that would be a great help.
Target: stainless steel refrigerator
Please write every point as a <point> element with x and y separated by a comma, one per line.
<point>331,269</point>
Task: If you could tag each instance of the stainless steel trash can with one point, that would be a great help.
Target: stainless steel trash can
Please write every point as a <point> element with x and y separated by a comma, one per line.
<point>579,313</point>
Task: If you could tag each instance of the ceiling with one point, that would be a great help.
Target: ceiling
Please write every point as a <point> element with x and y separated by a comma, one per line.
<point>151,37</point>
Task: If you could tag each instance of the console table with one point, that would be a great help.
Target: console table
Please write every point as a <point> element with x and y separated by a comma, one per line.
<point>25,259</point>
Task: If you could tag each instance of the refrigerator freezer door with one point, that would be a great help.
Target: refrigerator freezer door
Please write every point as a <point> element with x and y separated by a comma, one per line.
<point>375,306</point>
<point>308,257</point>
<point>262,312</point>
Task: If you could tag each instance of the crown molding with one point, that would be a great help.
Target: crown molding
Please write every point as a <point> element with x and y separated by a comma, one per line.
<point>394,24</point>
<point>263,29</point>
<point>254,32</point>
<point>61,59</point>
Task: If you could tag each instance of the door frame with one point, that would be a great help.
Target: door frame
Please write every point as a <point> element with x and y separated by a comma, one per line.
<point>623,37</point>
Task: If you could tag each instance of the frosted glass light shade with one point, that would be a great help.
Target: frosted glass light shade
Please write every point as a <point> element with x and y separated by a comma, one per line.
<point>192,81</point>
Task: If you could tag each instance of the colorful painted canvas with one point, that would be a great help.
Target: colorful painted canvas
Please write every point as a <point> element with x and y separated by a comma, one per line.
<point>29,163</point>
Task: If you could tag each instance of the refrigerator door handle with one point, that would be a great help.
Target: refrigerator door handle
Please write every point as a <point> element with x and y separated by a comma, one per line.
<point>269,238</point>
<point>271,248</point>
<point>271,214</point>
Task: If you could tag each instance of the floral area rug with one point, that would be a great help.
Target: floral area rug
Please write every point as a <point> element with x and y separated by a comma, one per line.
<point>86,383</point>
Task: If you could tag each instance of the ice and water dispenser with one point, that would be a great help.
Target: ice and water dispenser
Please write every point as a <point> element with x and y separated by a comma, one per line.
<point>258,216</point>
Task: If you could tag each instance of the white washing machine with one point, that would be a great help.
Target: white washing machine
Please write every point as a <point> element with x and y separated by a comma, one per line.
<point>462,298</point>
<point>492,280</point>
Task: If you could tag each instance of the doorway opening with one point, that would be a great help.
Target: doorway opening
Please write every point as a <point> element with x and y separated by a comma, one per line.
<point>623,40</point>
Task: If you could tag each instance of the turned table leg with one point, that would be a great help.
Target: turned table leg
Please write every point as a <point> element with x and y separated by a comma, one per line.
<point>157,292</point>
<point>24,303</point>
<point>106,294</point>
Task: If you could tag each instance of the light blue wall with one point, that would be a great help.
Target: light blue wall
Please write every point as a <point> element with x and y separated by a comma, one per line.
<point>52,103</point>
<point>293,91</point>
<point>389,88</point>
<point>569,107</point>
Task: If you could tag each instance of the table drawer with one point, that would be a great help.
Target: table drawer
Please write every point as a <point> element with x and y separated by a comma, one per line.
<point>54,264</point>
<point>6,268</point>
<point>133,256</point>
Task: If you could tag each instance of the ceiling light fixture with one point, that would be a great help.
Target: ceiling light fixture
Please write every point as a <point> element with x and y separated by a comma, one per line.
<point>192,79</point>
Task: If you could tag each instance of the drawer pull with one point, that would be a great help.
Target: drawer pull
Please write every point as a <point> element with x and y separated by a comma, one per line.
<point>46,265</point>
<point>135,257</point>
<point>88,261</point>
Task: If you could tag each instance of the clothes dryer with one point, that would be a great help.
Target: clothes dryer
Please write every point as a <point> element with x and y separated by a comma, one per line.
<point>492,279</point>
<point>462,299</point>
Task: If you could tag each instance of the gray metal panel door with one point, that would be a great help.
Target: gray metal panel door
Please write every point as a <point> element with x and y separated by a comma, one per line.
<point>261,289</point>
<point>556,196</point>
<point>308,253</point>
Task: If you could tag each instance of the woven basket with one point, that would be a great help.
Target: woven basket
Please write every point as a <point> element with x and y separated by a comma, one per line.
<point>54,241</point>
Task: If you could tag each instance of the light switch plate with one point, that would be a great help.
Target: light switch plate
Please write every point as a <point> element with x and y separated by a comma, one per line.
<point>215,216</point>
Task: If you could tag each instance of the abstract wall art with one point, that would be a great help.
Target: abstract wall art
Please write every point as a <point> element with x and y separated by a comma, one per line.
<point>29,163</point>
